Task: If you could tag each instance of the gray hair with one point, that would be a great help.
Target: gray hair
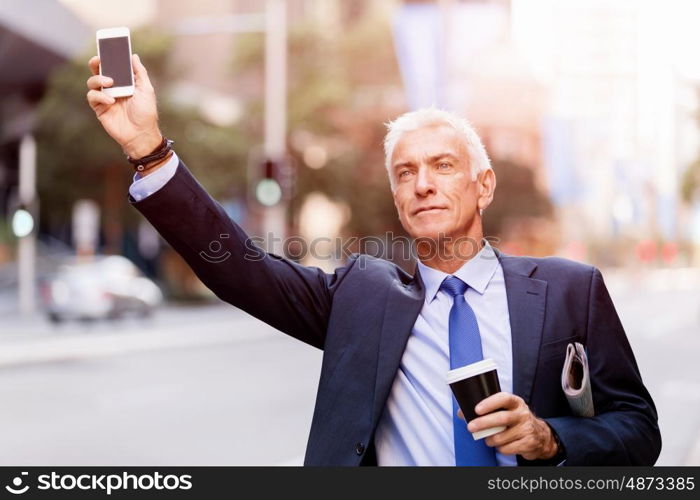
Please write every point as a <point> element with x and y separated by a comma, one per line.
<point>413,120</point>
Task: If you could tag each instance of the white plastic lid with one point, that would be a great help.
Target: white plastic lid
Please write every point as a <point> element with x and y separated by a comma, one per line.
<point>485,365</point>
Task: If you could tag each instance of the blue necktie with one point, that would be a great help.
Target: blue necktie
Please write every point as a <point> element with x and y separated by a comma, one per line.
<point>465,348</point>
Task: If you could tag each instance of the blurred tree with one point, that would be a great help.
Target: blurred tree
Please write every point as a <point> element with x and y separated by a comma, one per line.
<point>343,85</point>
<point>77,159</point>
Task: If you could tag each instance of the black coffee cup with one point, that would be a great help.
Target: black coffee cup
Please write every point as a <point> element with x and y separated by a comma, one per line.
<point>471,384</point>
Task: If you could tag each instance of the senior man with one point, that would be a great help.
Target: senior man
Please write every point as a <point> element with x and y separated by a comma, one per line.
<point>389,338</point>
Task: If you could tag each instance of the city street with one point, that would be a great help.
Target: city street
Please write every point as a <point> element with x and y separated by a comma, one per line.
<point>199,386</point>
<point>209,385</point>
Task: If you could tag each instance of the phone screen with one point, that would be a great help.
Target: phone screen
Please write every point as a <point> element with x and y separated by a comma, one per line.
<point>114,60</point>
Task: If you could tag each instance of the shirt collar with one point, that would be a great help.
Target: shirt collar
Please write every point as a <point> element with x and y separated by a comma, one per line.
<point>476,272</point>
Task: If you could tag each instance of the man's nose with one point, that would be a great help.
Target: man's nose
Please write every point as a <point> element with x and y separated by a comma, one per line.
<point>424,182</point>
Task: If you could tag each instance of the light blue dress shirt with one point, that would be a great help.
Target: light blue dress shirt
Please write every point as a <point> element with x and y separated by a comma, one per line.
<point>416,425</point>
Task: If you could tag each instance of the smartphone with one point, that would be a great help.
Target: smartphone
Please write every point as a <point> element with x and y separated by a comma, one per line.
<point>114,50</point>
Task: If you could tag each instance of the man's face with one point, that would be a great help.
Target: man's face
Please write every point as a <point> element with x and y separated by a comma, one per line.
<point>433,188</point>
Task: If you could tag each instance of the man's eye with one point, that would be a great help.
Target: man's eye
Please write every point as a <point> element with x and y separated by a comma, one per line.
<point>404,173</point>
<point>443,165</point>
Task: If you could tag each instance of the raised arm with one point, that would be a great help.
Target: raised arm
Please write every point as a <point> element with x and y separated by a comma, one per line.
<point>290,297</point>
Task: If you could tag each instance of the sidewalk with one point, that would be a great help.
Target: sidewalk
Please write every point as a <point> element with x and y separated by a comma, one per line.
<point>36,340</point>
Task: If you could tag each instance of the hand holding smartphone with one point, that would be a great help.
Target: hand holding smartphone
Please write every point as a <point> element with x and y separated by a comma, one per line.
<point>121,94</point>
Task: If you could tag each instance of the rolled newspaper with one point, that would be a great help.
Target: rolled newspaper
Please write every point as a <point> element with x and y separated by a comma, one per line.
<point>576,382</point>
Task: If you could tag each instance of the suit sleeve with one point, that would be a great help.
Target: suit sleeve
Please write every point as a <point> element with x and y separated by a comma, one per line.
<point>292,298</point>
<point>624,430</point>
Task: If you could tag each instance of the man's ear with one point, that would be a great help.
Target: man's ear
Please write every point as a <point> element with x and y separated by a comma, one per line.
<point>486,182</point>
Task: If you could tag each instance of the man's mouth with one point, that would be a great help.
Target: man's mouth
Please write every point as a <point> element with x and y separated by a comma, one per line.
<point>427,210</point>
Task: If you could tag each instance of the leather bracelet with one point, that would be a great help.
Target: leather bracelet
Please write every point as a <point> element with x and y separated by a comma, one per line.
<point>140,164</point>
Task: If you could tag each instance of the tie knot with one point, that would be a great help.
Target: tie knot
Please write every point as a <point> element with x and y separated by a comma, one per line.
<point>454,286</point>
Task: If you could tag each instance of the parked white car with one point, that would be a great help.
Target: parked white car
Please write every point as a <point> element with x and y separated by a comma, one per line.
<point>108,286</point>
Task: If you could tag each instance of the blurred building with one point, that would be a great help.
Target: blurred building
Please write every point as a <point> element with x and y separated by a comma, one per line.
<point>618,131</point>
<point>36,36</point>
<point>208,35</point>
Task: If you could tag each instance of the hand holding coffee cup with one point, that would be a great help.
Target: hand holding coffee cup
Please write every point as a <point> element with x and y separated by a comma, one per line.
<point>504,419</point>
<point>470,385</point>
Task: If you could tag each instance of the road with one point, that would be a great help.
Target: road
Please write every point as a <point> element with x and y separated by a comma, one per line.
<point>661,316</point>
<point>197,386</point>
<point>212,386</point>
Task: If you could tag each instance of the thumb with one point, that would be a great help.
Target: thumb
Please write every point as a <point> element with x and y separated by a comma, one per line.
<point>140,73</point>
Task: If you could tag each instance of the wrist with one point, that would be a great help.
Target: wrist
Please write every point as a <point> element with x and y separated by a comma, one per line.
<point>552,450</point>
<point>143,144</point>
<point>153,166</point>
<point>552,447</point>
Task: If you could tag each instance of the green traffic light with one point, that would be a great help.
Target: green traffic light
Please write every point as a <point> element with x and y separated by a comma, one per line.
<point>22,223</point>
<point>268,192</point>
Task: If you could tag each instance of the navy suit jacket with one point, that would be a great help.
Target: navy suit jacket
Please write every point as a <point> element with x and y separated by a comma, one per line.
<point>362,315</point>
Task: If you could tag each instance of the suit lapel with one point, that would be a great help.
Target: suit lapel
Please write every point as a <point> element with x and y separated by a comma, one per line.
<point>526,306</point>
<point>402,308</point>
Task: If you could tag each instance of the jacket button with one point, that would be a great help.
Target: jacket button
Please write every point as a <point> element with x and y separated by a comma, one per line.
<point>359,448</point>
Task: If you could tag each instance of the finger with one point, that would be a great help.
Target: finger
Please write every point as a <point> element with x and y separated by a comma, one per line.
<point>94,64</point>
<point>509,435</point>
<point>96,98</point>
<point>500,400</point>
<point>522,446</point>
<point>97,82</point>
<point>140,73</point>
<point>495,419</point>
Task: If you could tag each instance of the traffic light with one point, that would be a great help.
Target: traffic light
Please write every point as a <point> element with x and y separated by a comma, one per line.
<point>268,191</point>
<point>270,182</point>
<point>22,222</point>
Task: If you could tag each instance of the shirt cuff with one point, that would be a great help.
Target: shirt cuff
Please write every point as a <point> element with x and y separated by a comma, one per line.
<point>144,186</point>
